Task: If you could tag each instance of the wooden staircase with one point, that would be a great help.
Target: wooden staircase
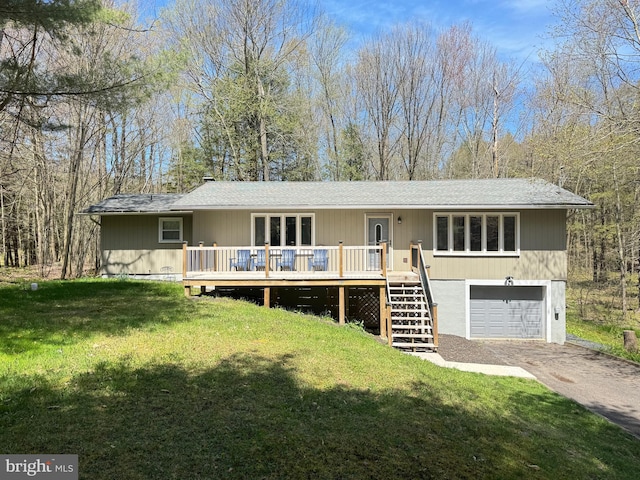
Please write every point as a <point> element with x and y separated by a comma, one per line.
<point>412,326</point>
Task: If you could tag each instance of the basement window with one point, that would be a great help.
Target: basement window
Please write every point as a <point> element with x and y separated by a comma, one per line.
<point>476,234</point>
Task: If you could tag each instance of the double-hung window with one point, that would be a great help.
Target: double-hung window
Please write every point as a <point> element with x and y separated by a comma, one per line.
<point>476,234</point>
<point>170,230</point>
<point>282,230</point>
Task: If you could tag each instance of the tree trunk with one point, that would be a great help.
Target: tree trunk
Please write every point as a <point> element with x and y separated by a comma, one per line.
<point>74,175</point>
<point>3,224</point>
<point>621,242</point>
<point>630,341</point>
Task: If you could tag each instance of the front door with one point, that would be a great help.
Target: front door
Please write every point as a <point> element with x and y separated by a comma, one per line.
<point>378,231</point>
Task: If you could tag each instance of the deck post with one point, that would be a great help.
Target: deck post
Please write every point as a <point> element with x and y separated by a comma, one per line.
<point>341,305</point>
<point>184,260</point>
<point>266,261</point>
<point>346,301</point>
<point>203,289</point>
<point>267,297</point>
<point>434,315</point>
<point>187,291</point>
<point>340,259</point>
<point>215,257</point>
<point>383,259</point>
<point>383,311</point>
<point>389,327</point>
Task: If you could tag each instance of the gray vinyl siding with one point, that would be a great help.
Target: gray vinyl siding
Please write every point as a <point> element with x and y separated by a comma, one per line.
<point>542,240</point>
<point>130,245</point>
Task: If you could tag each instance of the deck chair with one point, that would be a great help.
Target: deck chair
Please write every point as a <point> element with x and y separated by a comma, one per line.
<point>261,260</point>
<point>242,262</point>
<point>319,261</point>
<point>287,261</point>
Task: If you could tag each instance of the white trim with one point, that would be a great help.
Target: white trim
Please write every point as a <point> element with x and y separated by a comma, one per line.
<point>283,216</point>
<point>467,252</point>
<point>452,208</point>
<point>161,229</point>
<point>546,284</point>
<point>163,212</point>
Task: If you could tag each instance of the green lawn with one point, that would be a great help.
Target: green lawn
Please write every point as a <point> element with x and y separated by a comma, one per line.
<point>142,383</point>
<point>594,313</point>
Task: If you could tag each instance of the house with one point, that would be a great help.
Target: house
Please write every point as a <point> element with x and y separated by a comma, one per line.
<point>482,258</point>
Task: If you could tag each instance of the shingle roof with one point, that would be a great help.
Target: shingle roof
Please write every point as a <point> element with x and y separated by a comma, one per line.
<point>143,203</point>
<point>456,194</point>
<point>436,194</point>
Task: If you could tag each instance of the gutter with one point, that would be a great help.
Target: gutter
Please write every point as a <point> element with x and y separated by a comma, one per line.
<point>138,212</point>
<point>387,207</point>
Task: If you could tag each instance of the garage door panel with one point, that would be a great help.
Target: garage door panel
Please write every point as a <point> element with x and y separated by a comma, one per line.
<point>492,313</point>
<point>506,312</point>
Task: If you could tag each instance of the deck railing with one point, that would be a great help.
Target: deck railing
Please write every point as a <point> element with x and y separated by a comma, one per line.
<point>419,266</point>
<point>337,260</point>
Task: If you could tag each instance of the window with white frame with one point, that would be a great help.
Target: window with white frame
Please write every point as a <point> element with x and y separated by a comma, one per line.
<point>286,229</point>
<point>170,230</point>
<point>476,233</point>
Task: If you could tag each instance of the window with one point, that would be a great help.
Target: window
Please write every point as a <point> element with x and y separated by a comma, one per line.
<point>170,230</point>
<point>476,234</point>
<point>283,230</point>
<point>442,233</point>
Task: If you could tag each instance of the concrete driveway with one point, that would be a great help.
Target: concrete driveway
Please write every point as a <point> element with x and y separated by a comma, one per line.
<point>603,384</point>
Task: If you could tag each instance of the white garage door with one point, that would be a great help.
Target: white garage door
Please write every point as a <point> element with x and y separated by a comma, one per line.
<point>506,312</point>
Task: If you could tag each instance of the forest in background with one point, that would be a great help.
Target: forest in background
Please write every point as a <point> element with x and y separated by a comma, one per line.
<point>96,100</point>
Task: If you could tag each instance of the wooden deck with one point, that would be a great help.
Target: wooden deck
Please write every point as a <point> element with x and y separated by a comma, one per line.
<point>340,268</point>
<point>263,267</point>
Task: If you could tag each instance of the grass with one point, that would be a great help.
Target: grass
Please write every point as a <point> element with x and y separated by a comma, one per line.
<point>142,383</point>
<point>594,313</point>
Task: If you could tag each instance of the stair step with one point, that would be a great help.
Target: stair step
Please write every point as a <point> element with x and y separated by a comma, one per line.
<point>412,327</point>
<point>414,345</point>
<point>407,302</point>
<point>412,335</point>
<point>402,296</point>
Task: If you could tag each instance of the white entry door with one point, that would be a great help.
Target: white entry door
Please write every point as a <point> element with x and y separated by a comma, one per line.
<point>379,231</point>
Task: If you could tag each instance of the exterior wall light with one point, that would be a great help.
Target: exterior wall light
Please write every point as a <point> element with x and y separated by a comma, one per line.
<point>399,220</point>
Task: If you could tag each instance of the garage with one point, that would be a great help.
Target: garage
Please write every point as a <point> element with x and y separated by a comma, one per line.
<point>506,311</point>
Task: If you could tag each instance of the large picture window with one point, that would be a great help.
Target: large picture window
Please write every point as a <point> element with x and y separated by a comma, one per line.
<point>476,233</point>
<point>283,230</point>
<point>170,230</point>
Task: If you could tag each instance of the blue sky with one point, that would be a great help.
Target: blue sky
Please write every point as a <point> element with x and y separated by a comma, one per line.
<point>516,28</point>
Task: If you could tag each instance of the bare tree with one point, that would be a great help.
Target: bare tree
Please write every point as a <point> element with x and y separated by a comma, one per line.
<point>239,52</point>
<point>378,84</point>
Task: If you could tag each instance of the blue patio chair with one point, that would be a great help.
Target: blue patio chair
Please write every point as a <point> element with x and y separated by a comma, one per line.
<point>287,260</point>
<point>261,260</point>
<point>319,261</point>
<point>242,262</point>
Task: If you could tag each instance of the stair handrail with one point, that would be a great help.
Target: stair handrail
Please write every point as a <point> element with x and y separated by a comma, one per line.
<point>419,266</point>
<point>387,310</point>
